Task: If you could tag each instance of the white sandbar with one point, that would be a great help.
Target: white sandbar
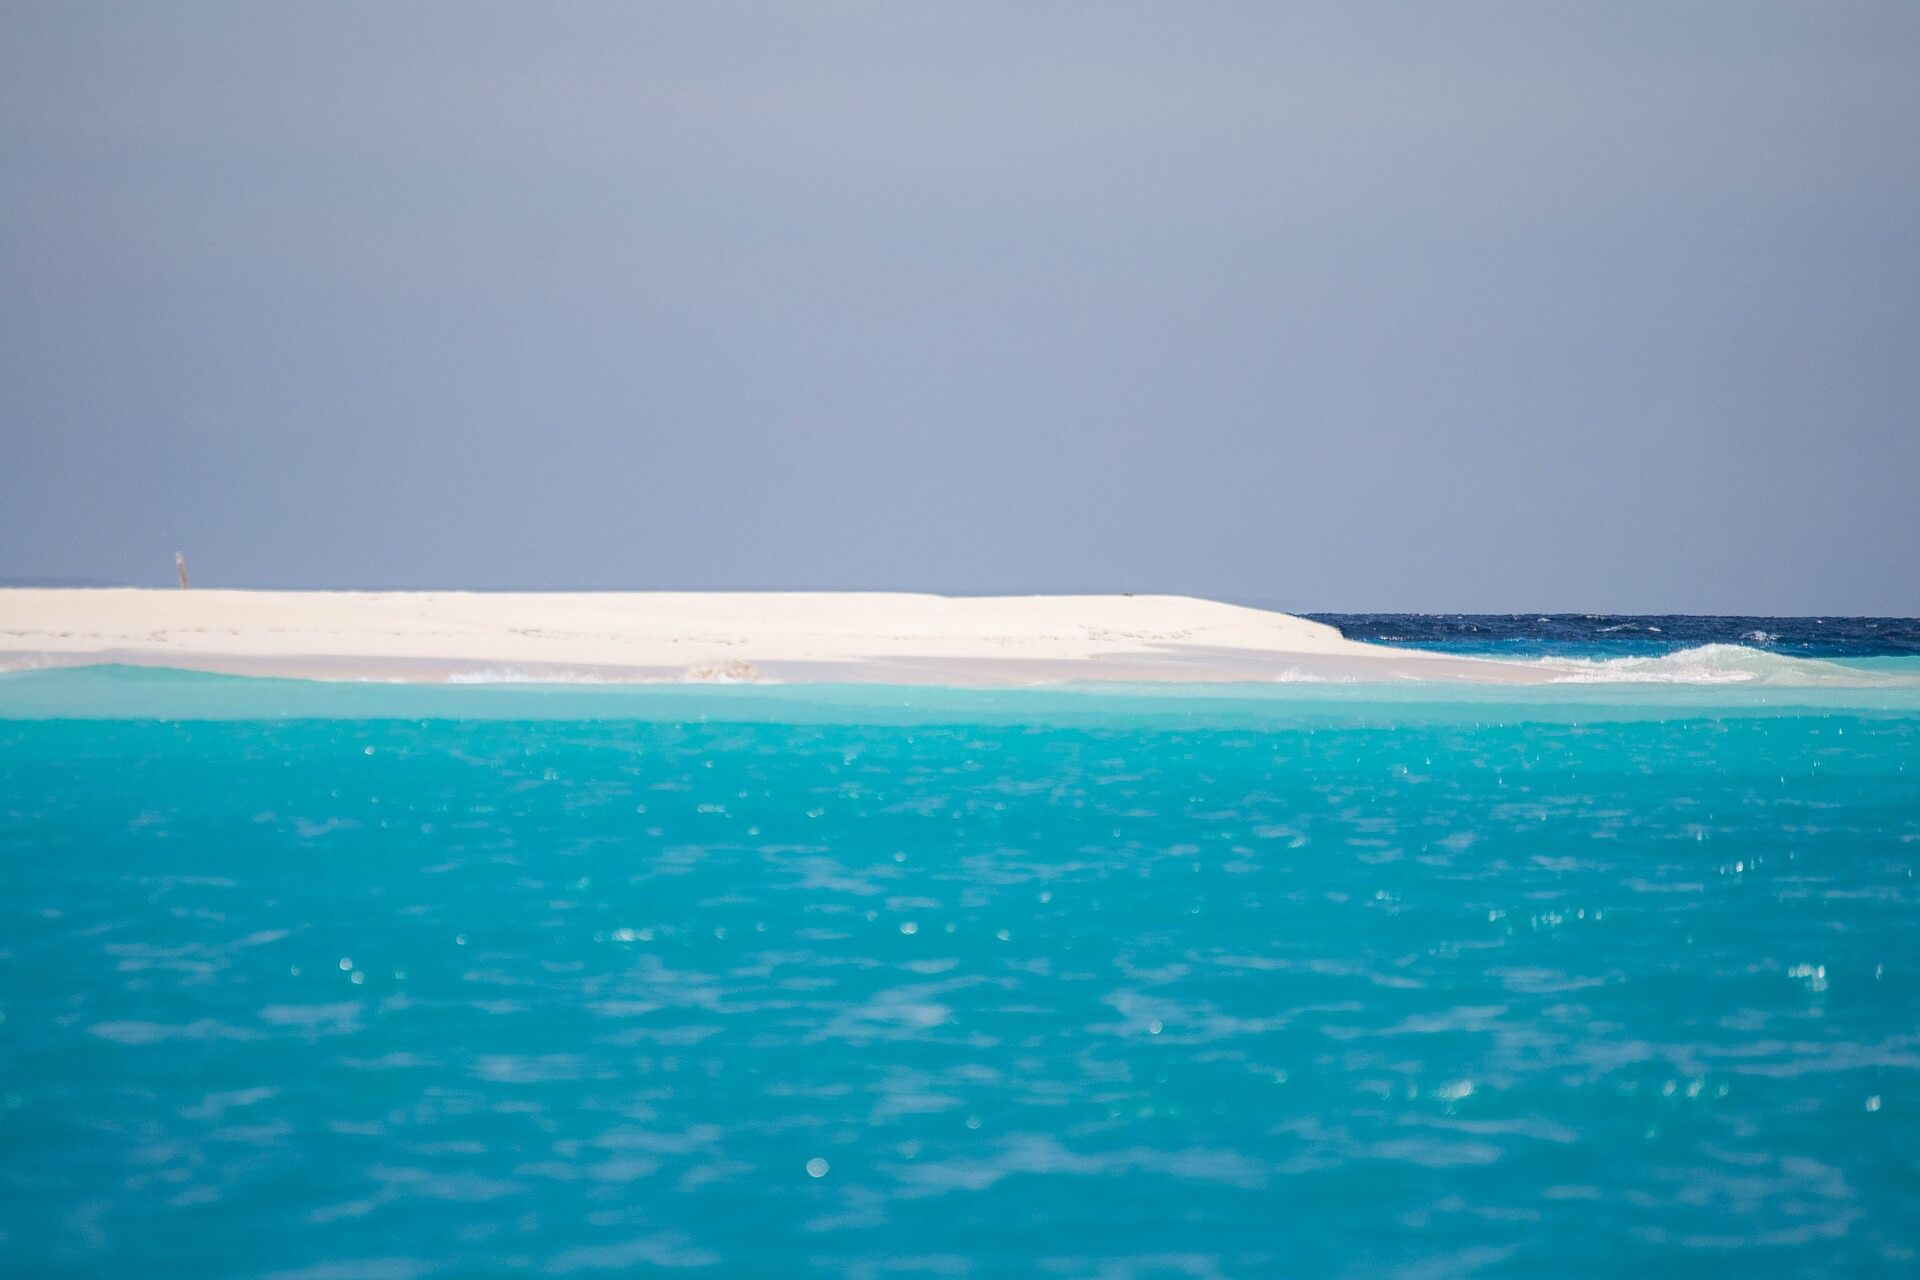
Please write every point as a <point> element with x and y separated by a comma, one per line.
<point>877,637</point>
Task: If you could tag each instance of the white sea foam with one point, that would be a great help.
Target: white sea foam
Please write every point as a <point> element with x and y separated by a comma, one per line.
<point>520,675</point>
<point>495,675</point>
<point>710,673</point>
<point>731,672</point>
<point>1707,664</point>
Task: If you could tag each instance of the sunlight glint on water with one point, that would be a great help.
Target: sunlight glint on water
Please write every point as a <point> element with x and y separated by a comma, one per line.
<point>1293,989</point>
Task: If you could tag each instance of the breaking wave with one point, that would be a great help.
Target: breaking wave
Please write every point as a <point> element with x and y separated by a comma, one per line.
<point>1711,664</point>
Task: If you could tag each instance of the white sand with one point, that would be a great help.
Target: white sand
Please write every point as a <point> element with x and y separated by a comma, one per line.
<point>860,636</point>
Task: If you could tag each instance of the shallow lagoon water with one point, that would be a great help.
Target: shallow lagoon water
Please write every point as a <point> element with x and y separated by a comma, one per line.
<point>316,981</point>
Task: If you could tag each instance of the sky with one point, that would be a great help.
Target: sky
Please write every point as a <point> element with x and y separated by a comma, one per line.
<point>1609,307</point>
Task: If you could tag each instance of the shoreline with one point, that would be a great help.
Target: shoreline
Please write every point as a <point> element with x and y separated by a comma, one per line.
<point>449,637</point>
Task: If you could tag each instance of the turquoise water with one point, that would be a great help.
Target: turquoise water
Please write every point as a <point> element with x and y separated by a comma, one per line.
<point>330,982</point>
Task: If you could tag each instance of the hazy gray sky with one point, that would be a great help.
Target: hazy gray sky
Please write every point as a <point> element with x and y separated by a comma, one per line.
<point>1426,307</point>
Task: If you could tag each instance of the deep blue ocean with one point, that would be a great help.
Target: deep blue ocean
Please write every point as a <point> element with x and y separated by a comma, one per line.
<point>321,982</point>
<point>1606,635</point>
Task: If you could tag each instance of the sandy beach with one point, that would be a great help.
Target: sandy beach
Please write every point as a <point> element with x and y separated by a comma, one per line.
<point>882,637</point>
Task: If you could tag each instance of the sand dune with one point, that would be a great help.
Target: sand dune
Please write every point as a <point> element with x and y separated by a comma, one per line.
<point>787,636</point>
